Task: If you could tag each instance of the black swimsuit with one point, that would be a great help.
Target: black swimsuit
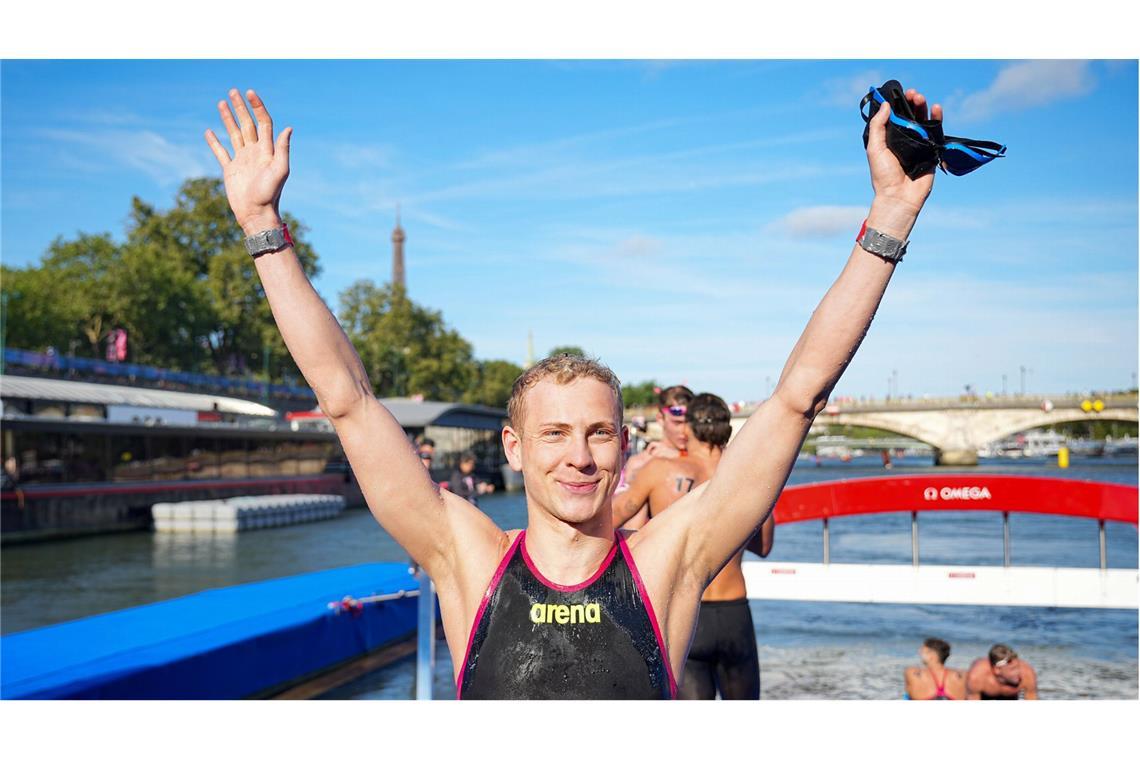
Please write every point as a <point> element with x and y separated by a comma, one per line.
<point>534,639</point>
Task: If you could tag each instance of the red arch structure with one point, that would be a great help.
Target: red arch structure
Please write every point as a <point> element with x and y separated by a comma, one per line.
<point>958,492</point>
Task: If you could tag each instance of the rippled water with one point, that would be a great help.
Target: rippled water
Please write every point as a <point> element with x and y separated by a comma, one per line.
<point>808,650</point>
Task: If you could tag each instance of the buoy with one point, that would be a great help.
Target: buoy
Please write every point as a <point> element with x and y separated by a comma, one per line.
<point>1063,457</point>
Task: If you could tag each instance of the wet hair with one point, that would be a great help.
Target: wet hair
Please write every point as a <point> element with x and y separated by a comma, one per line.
<point>999,652</point>
<point>939,647</point>
<point>710,419</point>
<point>674,395</point>
<point>424,441</point>
<point>563,369</point>
<point>467,456</point>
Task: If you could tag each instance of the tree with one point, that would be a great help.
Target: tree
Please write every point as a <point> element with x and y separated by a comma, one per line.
<point>200,231</point>
<point>495,379</point>
<point>572,350</point>
<point>641,394</point>
<point>406,349</point>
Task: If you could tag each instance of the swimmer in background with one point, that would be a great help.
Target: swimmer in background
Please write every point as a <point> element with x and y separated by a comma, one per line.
<point>1005,676</point>
<point>723,656</point>
<point>671,405</point>
<point>934,680</point>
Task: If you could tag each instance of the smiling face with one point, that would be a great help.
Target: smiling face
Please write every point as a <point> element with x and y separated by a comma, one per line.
<point>569,448</point>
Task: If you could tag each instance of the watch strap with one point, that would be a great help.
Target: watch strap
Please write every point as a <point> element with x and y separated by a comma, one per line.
<point>268,241</point>
<point>882,245</point>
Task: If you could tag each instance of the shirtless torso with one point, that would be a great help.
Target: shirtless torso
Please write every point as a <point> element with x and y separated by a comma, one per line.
<point>984,681</point>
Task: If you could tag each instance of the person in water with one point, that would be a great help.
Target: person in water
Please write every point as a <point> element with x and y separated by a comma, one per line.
<point>1003,676</point>
<point>567,607</point>
<point>934,680</point>
<point>723,657</point>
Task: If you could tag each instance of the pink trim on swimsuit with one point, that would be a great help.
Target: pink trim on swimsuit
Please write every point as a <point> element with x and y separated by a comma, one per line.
<point>557,586</point>
<point>652,616</point>
<point>940,687</point>
<point>498,576</point>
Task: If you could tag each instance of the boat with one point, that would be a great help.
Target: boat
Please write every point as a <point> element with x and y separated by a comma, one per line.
<point>95,457</point>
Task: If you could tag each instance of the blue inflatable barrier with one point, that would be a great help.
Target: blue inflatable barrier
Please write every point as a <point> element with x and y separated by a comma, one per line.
<point>227,643</point>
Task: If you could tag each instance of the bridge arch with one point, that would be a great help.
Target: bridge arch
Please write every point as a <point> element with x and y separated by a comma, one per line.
<point>956,434</point>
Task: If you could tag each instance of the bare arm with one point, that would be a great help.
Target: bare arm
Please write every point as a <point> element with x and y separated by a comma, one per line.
<point>630,502</point>
<point>397,487</point>
<point>761,542</point>
<point>1029,680</point>
<point>755,466</point>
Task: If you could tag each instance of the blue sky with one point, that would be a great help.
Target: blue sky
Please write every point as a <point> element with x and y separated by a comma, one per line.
<point>678,219</point>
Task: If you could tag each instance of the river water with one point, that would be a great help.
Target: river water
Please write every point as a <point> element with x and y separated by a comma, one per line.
<point>808,650</point>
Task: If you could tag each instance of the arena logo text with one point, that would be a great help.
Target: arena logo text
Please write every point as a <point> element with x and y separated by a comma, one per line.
<point>563,614</point>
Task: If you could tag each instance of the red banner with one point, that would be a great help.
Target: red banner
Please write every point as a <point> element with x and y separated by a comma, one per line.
<point>958,492</point>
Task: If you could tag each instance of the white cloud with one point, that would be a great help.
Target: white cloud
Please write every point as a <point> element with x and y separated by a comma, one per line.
<point>145,151</point>
<point>1028,84</point>
<point>847,91</point>
<point>353,156</point>
<point>821,221</point>
<point>638,247</point>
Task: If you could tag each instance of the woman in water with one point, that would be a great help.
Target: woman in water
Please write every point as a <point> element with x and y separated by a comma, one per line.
<point>934,680</point>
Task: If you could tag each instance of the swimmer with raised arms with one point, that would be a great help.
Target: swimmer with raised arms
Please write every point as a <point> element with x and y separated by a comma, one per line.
<point>510,599</point>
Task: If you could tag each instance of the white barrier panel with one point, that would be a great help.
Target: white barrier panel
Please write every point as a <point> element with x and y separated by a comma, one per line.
<point>943,584</point>
<point>244,513</point>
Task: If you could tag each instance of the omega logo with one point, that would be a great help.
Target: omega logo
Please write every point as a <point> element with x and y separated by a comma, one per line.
<point>963,493</point>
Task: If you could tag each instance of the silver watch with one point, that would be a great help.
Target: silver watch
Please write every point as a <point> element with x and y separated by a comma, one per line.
<point>268,241</point>
<point>883,246</point>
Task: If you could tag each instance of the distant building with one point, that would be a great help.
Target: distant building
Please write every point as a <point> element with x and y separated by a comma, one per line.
<point>398,238</point>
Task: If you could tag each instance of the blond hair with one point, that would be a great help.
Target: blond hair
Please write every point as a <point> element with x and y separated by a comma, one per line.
<point>563,369</point>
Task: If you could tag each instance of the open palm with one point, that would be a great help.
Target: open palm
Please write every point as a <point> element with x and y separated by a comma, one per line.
<point>257,172</point>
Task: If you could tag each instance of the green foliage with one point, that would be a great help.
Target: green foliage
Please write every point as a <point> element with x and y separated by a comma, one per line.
<point>495,378</point>
<point>572,350</point>
<point>182,285</point>
<point>640,394</point>
<point>406,349</point>
<point>188,294</point>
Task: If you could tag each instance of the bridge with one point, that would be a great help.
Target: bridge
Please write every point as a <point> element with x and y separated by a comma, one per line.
<point>955,428</point>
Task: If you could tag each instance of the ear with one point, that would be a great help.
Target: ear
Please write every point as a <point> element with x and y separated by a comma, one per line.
<point>512,447</point>
<point>624,441</point>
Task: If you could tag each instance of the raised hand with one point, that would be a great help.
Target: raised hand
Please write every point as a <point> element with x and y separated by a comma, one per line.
<point>890,182</point>
<point>257,172</point>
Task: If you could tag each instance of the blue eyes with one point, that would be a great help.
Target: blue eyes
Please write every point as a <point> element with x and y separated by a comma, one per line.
<point>602,432</point>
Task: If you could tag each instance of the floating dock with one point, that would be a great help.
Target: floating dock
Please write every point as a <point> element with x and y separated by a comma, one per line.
<point>244,513</point>
<point>244,641</point>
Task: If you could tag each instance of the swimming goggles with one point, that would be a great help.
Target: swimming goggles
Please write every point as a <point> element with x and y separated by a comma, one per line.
<point>921,145</point>
<point>1006,661</point>
<point>675,411</point>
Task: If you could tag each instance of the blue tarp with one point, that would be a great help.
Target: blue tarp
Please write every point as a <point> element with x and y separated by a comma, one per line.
<point>223,644</point>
